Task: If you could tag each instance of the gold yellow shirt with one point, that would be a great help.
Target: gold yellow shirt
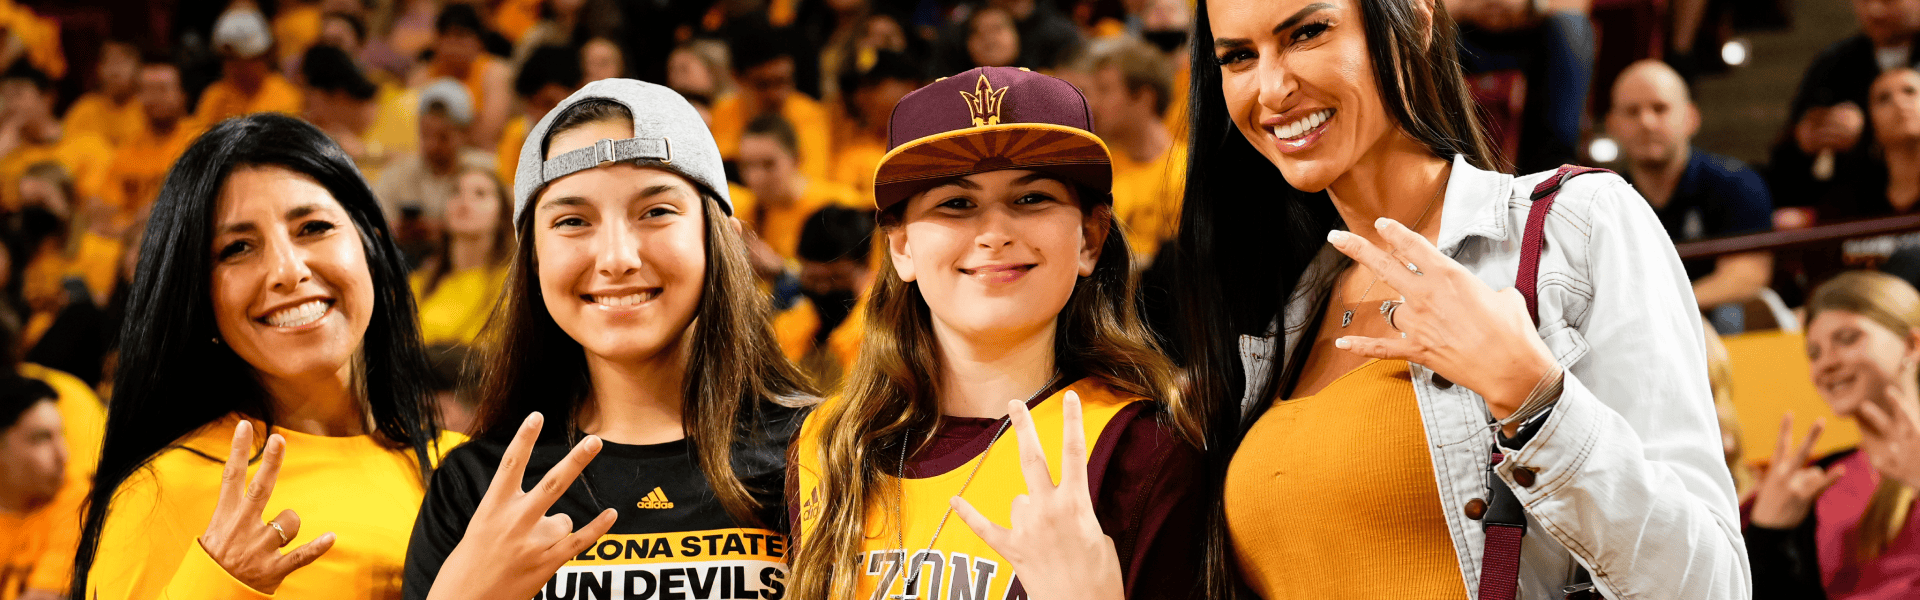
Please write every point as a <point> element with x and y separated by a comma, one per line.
<point>296,28</point>
<point>507,154</point>
<point>1146,197</point>
<point>855,162</point>
<point>457,309</point>
<point>222,100</point>
<point>84,156</point>
<point>780,225</point>
<point>97,115</point>
<point>40,35</point>
<point>361,490</point>
<point>140,166</point>
<point>809,119</point>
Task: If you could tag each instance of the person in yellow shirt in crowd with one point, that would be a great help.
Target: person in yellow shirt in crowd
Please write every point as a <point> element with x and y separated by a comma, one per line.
<point>68,272</point>
<point>44,414</point>
<point>870,87</point>
<point>270,324</point>
<point>414,188</point>
<point>1128,86</point>
<point>248,82</point>
<point>458,53</point>
<point>348,106</point>
<point>30,134</point>
<point>763,67</point>
<point>547,77</point>
<point>821,333</point>
<point>112,110</point>
<point>783,195</point>
<point>458,284</point>
<point>141,163</point>
<point>33,466</point>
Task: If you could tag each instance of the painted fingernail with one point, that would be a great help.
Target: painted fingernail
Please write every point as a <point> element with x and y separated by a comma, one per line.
<point>1342,343</point>
<point>1381,223</point>
<point>592,443</point>
<point>1336,236</point>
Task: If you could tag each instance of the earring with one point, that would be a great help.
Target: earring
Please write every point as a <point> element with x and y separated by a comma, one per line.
<point>216,340</point>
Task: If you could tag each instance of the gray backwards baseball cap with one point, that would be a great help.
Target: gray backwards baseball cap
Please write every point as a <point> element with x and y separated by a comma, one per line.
<point>667,134</point>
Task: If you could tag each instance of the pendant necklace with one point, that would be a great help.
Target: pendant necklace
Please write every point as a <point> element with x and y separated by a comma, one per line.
<point>911,590</point>
<point>1346,318</point>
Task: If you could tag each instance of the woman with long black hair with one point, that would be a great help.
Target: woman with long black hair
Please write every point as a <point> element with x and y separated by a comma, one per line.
<point>1344,233</point>
<point>270,323</point>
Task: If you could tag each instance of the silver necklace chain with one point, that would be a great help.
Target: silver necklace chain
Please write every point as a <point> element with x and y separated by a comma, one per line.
<point>1346,318</point>
<point>910,591</point>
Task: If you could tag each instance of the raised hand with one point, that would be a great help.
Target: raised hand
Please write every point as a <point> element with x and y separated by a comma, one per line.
<point>512,546</point>
<point>1452,322</point>
<point>1054,542</point>
<point>1787,490</point>
<point>236,538</point>
<point>1892,437</point>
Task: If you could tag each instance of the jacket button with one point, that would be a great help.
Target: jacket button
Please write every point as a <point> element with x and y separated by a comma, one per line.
<point>1441,382</point>
<point>1523,476</point>
<point>1476,508</point>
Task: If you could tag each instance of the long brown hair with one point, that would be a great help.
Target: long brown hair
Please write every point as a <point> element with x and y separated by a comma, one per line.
<point>734,364</point>
<point>441,264</point>
<point>892,388</point>
<point>1892,303</point>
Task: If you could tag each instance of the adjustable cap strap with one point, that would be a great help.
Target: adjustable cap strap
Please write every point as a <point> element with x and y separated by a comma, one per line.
<point>603,152</point>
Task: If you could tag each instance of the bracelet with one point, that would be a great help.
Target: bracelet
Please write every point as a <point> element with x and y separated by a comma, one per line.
<point>1545,393</point>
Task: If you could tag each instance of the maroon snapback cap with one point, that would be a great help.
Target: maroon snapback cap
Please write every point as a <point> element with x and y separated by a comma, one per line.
<point>989,119</point>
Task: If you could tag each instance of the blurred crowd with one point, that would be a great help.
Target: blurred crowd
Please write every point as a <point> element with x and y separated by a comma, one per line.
<point>433,100</point>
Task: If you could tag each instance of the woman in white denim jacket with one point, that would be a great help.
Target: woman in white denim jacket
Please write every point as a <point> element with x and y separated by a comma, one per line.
<point>1352,115</point>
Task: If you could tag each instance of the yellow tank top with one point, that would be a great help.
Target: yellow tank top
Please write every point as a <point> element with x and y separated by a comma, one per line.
<point>1332,496</point>
<point>959,566</point>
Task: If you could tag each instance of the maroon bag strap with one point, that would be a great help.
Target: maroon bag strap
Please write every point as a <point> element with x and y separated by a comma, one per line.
<point>1505,522</point>
<point>1535,237</point>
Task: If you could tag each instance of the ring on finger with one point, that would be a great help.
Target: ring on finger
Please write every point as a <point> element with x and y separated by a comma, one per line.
<point>1387,309</point>
<point>1414,268</point>
<point>284,540</point>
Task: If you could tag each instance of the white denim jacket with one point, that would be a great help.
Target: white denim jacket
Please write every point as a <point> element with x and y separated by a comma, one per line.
<point>1631,481</point>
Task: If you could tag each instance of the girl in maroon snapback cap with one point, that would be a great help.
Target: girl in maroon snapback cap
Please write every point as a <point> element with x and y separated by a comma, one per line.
<point>1006,280</point>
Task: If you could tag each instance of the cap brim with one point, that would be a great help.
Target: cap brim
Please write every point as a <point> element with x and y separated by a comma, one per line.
<point>921,164</point>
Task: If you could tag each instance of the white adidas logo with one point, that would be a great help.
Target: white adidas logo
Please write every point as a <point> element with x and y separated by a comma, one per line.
<point>656,499</point>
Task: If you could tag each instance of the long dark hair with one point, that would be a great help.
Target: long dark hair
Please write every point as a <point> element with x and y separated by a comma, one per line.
<point>440,265</point>
<point>734,364</point>
<point>1246,235</point>
<point>894,385</point>
<point>172,380</point>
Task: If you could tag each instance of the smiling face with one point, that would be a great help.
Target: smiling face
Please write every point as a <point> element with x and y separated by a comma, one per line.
<point>995,253</point>
<point>620,251</point>
<point>1854,358</point>
<point>1299,84</point>
<point>292,294</point>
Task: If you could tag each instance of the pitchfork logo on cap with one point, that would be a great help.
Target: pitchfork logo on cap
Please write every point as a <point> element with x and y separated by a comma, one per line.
<point>984,102</point>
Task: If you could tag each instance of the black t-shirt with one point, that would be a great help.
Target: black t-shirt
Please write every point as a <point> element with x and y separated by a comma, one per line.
<point>673,540</point>
<point>1717,196</point>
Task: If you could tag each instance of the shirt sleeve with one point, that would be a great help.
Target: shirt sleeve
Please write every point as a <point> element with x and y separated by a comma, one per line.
<point>1151,501</point>
<point>200,578</point>
<point>1628,470</point>
<point>1785,564</point>
<point>454,494</point>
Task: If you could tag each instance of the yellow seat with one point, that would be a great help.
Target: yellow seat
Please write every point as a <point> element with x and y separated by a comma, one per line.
<point>1770,377</point>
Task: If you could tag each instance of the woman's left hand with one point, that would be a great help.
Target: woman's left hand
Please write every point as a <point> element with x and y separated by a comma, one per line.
<point>1892,440</point>
<point>1451,322</point>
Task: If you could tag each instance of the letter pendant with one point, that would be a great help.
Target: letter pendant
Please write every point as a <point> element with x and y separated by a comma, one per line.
<point>1346,318</point>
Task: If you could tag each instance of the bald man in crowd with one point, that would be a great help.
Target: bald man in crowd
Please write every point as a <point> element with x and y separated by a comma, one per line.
<point>1697,194</point>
